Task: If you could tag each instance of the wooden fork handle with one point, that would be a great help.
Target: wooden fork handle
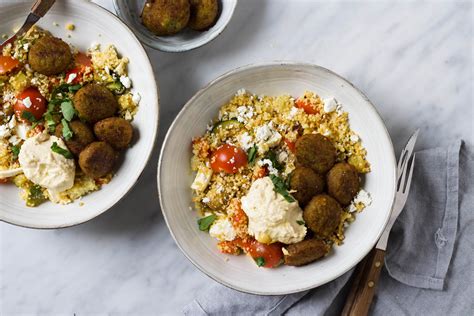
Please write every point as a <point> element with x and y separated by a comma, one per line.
<point>364,284</point>
<point>40,7</point>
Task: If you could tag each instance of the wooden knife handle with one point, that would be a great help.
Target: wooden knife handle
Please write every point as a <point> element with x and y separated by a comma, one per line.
<point>40,7</point>
<point>364,284</point>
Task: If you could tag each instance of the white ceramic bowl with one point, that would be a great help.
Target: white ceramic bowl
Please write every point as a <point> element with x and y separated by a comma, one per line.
<point>130,11</point>
<point>175,178</point>
<point>93,24</point>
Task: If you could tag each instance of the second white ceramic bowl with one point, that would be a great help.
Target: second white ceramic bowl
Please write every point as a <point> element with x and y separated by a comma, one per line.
<point>130,11</point>
<point>175,178</point>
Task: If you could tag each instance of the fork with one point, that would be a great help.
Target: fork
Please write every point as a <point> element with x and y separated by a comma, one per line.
<point>368,270</point>
<point>38,10</point>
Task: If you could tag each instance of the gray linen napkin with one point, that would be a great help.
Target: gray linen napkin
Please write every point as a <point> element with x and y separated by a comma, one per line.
<point>428,262</point>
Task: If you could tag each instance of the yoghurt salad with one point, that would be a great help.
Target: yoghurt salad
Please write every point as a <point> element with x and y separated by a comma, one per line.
<point>278,178</point>
<point>65,116</point>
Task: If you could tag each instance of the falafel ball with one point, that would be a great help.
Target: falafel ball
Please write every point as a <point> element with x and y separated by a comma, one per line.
<point>305,252</point>
<point>343,182</point>
<point>116,131</point>
<point>307,184</point>
<point>82,136</point>
<point>94,103</point>
<point>97,159</point>
<point>166,17</point>
<point>203,14</point>
<point>322,215</point>
<point>49,56</point>
<point>316,152</point>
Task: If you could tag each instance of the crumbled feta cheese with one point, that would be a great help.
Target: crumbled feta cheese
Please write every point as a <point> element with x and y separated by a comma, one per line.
<point>244,113</point>
<point>262,133</point>
<point>126,81</point>
<point>363,197</point>
<point>241,91</point>
<point>293,112</point>
<point>222,229</point>
<point>269,164</point>
<point>327,133</point>
<point>107,70</point>
<point>330,105</point>
<point>206,200</point>
<point>245,141</point>
<point>27,102</point>
<point>354,138</point>
<point>21,130</point>
<point>136,97</point>
<point>26,46</point>
<point>12,122</point>
<point>95,46</point>
<point>14,140</point>
<point>4,131</point>
<point>219,188</point>
<point>282,156</point>
<point>71,77</point>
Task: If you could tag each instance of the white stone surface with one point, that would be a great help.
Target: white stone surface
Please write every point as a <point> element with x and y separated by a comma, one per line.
<point>413,59</point>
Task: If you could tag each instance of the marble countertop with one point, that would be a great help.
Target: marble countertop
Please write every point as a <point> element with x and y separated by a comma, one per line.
<point>413,59</point>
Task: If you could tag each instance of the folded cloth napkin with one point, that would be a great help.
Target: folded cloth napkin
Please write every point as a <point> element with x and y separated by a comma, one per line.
<point>429,256</point>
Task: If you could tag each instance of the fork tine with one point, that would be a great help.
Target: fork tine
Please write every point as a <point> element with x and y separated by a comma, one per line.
<point>401,185</point>
<point>400,162</point>
<point>410,175</point>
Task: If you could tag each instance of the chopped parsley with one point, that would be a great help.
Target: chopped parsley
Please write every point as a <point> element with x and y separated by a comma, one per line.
<point>15,152</point>
<point>271,155</point>
<point>260,261</point>
<point>300,222</point>
<point>252,154</point>
<point>64,152</point>
<point>280,187</point>
<point>28,116</point>
<point>206,222</point>
<point>67,132</point>
<point>68,110</point>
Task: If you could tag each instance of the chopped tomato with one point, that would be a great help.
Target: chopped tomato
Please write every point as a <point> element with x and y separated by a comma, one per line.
<point>82,59</point>
<point>30,100</point>
<point>239,217</point>
<point>291,145</point>
<point>228,158</point>
<point>269,256</point>
<point>7,64</point>
<point>306,106</point>
<point>75,75</point>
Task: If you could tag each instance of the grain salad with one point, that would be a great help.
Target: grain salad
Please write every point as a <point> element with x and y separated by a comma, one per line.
<point>278,177</point>
<point>58,109</point>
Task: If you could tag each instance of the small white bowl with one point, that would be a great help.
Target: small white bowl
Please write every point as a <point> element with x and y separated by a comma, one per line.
<point>175,178</point>
<point>130,12</point>
<point>92,24</point>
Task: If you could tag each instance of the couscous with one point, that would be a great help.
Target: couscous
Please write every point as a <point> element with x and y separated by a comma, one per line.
<point>271,174</point>
<point>52,96</point>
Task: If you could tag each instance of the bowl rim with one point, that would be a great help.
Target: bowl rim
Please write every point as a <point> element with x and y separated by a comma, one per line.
<point>150,150</point>
<point>174,49</point>
<point>276,63</point>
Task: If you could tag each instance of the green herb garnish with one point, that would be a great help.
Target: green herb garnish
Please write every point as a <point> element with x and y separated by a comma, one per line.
<point>260,261</point>
<point>67,132</point>
<point>280,187</point>
<point>68,110</point>
<point>15,152</point>
<point>271,155</point>
<point>300,222</point>
<point>28,116</point>
<point>252,154</point>
<point>206,222</point>
<point>74,88</point>
<point>64,152</point>
<point>49,121</point>
<point>35,196</point>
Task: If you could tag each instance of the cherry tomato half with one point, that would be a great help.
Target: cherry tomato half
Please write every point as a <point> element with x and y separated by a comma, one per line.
<point>291,145</point>
<point>271,254</point>
<point>306,106</point>
<point>7,64</point>
<point>30,100</point>
<point>228,158</point>
<point>81,62</point>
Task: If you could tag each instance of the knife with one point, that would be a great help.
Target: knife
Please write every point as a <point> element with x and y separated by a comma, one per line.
<point>38,10</point>
<point>368,270</point>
